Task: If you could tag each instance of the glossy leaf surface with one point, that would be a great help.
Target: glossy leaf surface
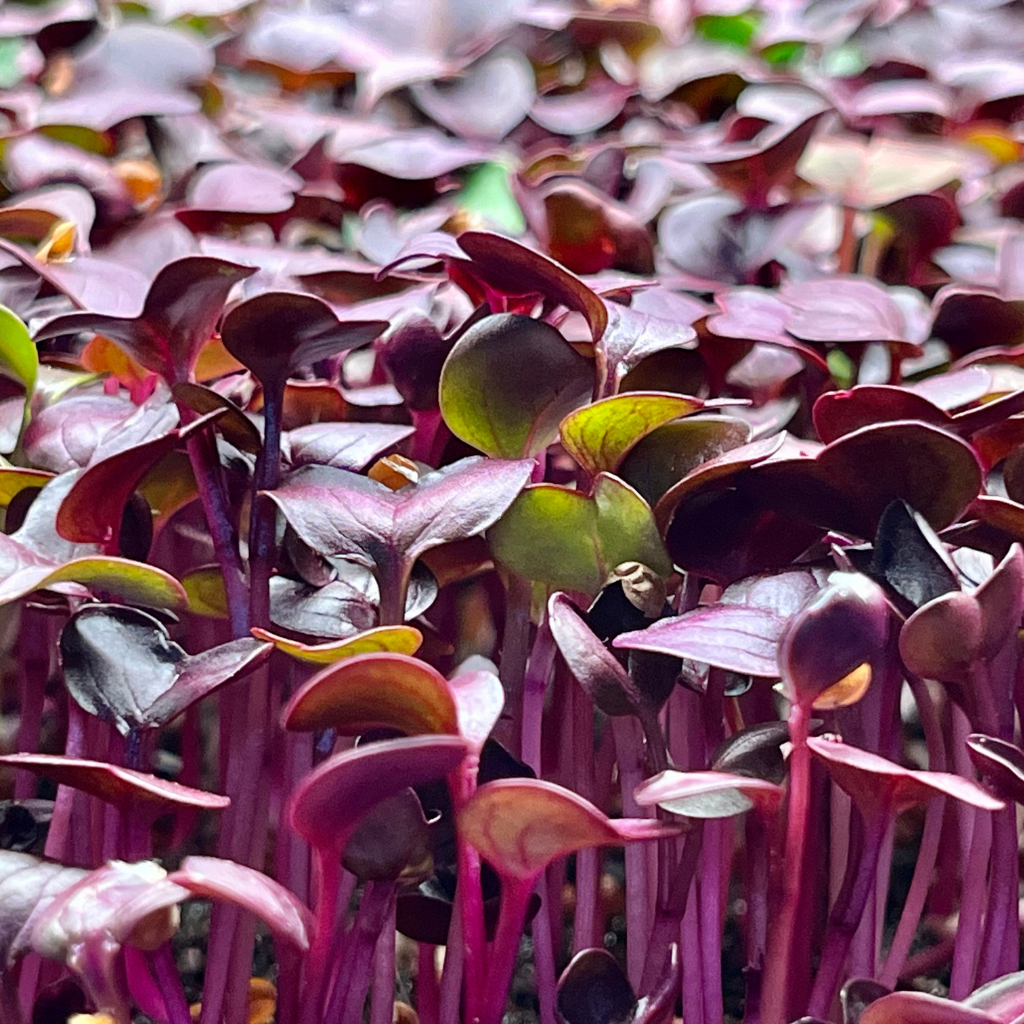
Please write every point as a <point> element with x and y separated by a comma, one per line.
<point>571,541</point>
<point>521,825</point>
<point>508,382</point>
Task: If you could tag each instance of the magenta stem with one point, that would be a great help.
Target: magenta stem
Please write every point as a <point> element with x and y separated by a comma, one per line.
<point>428,991</point>
<point>544,959</point>
<point>756,866</point>
<point>382,996</point>
<point>515,898</point>
<point>206,468</point>
<point>535,685</point>
<point>710,916</point>
<point>346,1002</point>
<point>847,912</point>
<point>57,837</point>
<point>690,958</point>
<point>630,757</point>
<point>327,877</point>
<point>999,948</point>
<point>393,583</point>
<point>469,893</point>
<point>451,973</point>
<point>777,973</point>
<point>515,649</point>
<point>972,903</point>
<point>166,973</point>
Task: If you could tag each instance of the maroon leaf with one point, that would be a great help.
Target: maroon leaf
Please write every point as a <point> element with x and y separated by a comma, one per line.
<point>328,804</point>
<point>129,789</point>
<point>120,664</point>
<point>740,632</point>
<point>878,785</point>
<point>182,308</point>
<point>276,333</point>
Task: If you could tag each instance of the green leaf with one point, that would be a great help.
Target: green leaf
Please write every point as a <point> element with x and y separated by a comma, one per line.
<point>571,541</point>
<point>130,581</point>
<point>598,436</point>
<point>10,74</point>
<point>487,194</point>
<point>731,29</point>
<point>508,382</point>
<point>18,355</point>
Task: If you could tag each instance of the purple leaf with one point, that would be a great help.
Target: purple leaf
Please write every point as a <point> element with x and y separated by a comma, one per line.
<point>740,638</point>
<point>338,513</point>
<point>595,668</point>
<point>276,333</point>
<point>182,308</point>
<point>342,445</point>
<point>878,785</point>
<point>921,1008</point>
<point>521,825</point>
<point>513,269</point>
<point>711,794</point>
<point>27,886</point>
<point>134,791</point>
<point>834,645</point>
<point>374,691</point>
<point>213,878</point>
<point>120,664</point>
<point>328,804</point>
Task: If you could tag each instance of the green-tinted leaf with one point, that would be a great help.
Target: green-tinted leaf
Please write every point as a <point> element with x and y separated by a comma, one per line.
<point>13,481</point>
<point>131,581</point>
<point>204,588</point>
<point>508,382</point>
<point>599,436</point>
<point>732,29</point>
<point>487,195</point>
<point>572,541</point>
<point>18,356</point>
<point>396,639</point>
<point>667,454</point>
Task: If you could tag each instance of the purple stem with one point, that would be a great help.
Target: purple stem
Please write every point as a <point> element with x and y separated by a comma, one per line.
<point>847,912</point>
<point>630,757</point>
<point>428,992</point>
<point>470,893</point>
<point>202,454</point>
<point>690,958</point>
<point>431,436</point>
<point>756,872</point>
<point>777,974</point>
<point>392,582</point>
<point>382,996</point>
<point>515,898</point>
<point>931,835</point>
<point>535,685</point>
<point>291,857</point>
<point>166,973</point>
<point>327,875</point>
<point>263,517</point>
<point>346,1002</point>
<point>671,909</point>
<point>451,973</point>
<point>56,847</point>
<point>710,889</point>
<point>515,648</point>
<point>587,861</point>
<point>1001,942</point>
<point>35,648</point>
<point>544,960</point>
<point>972,902</point>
